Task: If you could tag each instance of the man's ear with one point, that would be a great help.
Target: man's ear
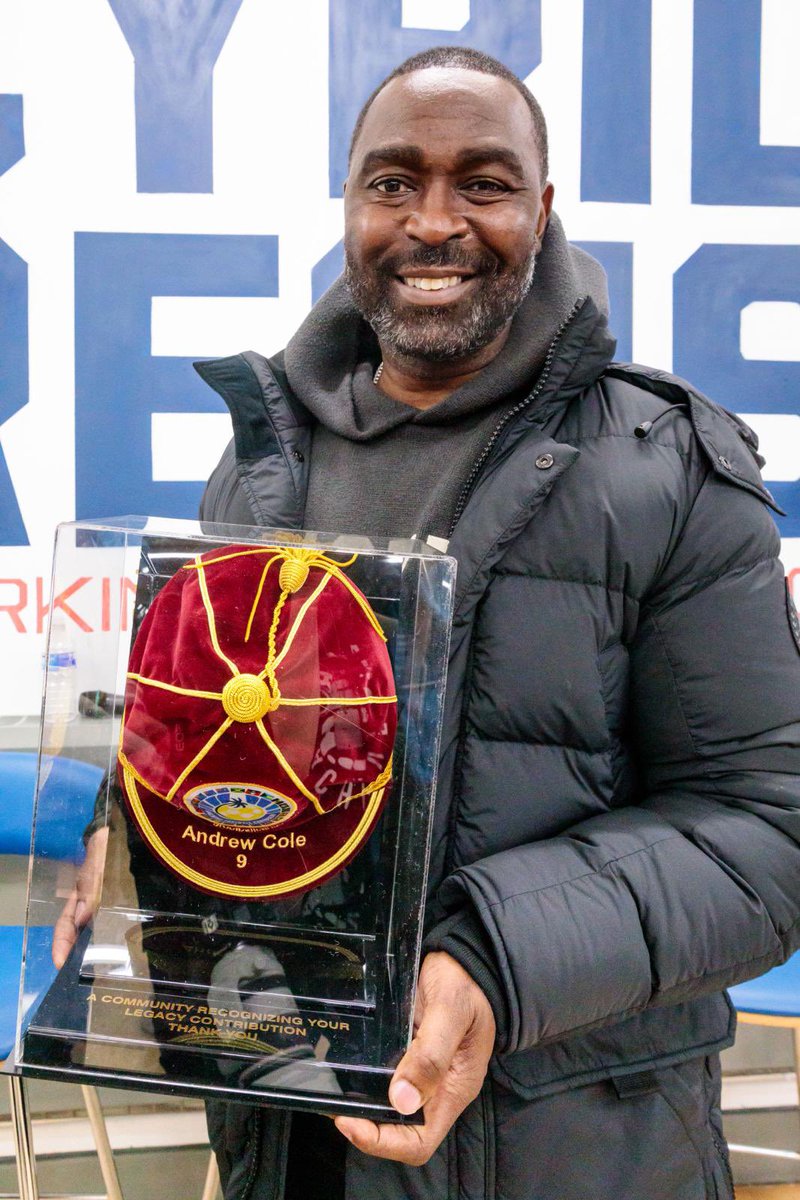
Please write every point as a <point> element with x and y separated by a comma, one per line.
<point>545,208</point>
<point>344,187</point>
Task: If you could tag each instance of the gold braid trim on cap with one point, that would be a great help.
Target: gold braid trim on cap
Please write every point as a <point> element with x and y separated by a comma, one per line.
<point>380,782</point>
<point>212,625</point>
<point>198,758</point>
<point>259,590</point>
<point>336,701</point>
<point>248,892</point>
<point>171,687</point>
<point>292,576</point>
<point>287,767</point>
<point>298,621</point>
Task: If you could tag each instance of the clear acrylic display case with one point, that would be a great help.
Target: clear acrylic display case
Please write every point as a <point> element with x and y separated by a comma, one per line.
<point>233,866</point>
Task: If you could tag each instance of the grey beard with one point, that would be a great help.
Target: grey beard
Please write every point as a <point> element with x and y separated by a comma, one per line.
<point>437,335</point>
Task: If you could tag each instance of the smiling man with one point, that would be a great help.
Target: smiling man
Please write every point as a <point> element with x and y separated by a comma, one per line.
<point>481,253</point>
<point>617,826</point>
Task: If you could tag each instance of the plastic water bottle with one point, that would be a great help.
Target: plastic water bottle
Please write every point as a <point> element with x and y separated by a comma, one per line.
<point>61,705</point>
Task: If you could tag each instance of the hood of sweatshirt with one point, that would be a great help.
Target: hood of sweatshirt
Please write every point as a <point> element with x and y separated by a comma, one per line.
<point>331,360</point>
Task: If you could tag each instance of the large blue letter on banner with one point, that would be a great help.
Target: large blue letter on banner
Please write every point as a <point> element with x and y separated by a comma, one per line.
<point>12,137</point>
<point>13,378</point>
<point>729,164</point>
<point>328,269</point>
<point>367,39</point>
<point>615,118</point>
<point>175,46</point>
<point>13,326</point>
<point>711,289</point>
<point>118,383</point>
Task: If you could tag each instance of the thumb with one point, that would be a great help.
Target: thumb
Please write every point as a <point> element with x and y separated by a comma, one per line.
<point>427,1061</point>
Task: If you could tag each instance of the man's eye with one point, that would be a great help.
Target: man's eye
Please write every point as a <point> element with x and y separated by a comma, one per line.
<point>391,186</point>
<point>488,187</point>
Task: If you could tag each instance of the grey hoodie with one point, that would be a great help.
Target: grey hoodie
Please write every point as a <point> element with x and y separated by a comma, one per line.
<point>383,468</point>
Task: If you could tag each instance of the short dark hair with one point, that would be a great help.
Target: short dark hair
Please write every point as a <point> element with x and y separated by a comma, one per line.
<point>469,60</point>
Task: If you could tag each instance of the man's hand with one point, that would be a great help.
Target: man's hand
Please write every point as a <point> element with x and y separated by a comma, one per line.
<point>443,1070</point>
<point>83,900</point>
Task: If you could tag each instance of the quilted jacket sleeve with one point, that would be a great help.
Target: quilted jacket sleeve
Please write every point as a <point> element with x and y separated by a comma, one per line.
<point>697,887</point>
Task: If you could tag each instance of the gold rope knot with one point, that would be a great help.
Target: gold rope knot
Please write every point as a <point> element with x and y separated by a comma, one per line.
<point>293,575</point>
<point>247,698</point>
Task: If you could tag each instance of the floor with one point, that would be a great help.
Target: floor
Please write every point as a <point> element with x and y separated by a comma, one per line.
<point>769,1193</point>
<point>160,1144</point>
<point>143,1174</point>
<point>152,1161</point>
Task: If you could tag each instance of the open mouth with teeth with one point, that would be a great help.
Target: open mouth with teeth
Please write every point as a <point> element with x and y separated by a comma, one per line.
<point>430,283</point>
<point>452,285</point>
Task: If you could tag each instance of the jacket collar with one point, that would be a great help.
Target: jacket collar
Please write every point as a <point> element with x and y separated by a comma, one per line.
<point>272,433</point>
<point>580,355</point>
<point>267,416</point>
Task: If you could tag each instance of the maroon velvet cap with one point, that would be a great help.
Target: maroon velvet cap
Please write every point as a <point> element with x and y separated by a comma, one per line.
<point>260,717</point>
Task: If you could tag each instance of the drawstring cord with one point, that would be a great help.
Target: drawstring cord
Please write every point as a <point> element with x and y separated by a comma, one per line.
<point>644,427</point>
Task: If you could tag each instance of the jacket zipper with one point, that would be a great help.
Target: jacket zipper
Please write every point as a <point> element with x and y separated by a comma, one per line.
<point>466,491</point>
<point>480,461</point>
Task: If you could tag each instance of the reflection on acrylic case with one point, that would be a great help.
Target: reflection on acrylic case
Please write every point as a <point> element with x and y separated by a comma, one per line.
<point>264,816</point>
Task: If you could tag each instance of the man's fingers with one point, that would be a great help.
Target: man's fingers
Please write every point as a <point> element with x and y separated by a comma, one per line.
<point>64,939</point>
<point>403,1143</point>
<point>65,932</point>
<point>412,1144</point>
<point>75,914</point>
<point>443,1068</point>
<point>90,876</point>
<point>83,899</point>
<point>88,887</point>
<point>427,1061</point>
<point>88,898</point>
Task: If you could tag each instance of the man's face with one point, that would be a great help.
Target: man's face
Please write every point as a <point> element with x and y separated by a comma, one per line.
<point>444,207</point>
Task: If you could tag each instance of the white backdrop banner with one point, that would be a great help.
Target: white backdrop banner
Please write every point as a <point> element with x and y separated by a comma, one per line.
<point>170,188</point>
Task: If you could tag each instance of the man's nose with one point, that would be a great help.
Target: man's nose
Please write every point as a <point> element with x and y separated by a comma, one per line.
<point>437,217</point>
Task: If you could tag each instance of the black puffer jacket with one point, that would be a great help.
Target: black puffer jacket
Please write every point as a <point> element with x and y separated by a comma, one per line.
<point>617,827</point>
